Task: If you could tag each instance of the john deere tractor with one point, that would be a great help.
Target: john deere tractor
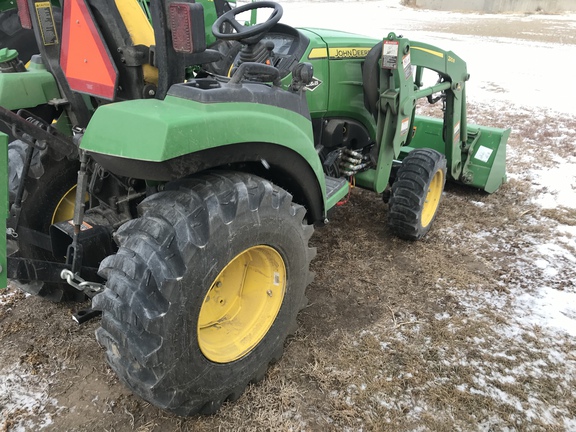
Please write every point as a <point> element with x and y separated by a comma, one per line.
<point>183,176</point>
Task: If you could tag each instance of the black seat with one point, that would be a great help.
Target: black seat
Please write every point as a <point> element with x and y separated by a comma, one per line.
<point>371,79</point>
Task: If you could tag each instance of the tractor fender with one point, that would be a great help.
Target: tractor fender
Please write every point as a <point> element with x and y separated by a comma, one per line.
<point>28,89</point>
<point>165,140</point>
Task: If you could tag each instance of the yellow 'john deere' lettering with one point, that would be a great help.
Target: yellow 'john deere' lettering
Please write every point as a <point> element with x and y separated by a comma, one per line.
<point>338,53</point>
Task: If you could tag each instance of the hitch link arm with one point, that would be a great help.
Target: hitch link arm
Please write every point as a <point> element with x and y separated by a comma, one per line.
<point>88,288</point>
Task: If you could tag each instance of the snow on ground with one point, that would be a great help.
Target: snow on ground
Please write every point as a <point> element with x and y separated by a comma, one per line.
<point>6,296</point>
<point>556,186</point>
<point>23,393</point>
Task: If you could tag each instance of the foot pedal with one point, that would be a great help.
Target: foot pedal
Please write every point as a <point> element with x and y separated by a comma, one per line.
<point>335,185</point>
<point>336,189</point>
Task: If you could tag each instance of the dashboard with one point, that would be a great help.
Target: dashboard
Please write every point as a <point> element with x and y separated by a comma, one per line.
<point>282,42</point>
<point>289,47</point>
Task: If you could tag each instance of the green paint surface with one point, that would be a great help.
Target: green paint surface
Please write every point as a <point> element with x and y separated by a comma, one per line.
<point>27,89</point>
<point>154,130</point>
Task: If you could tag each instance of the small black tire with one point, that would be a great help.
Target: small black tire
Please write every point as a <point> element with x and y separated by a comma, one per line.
<point>48,181</point>
<point>416,193</point>
<point>169,261</point>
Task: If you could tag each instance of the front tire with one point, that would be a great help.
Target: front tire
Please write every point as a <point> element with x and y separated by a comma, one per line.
<point>416,193</point>
<point>204,290</point>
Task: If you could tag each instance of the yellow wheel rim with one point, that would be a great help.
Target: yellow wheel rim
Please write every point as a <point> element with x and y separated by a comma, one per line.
<point>65,209</point>
<point>242,304</point>
<point>432,198</point>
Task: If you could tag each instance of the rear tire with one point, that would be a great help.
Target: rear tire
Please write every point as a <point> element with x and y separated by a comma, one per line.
<point>160,324</point>
<point>49,181</point>
<point>416,193</point>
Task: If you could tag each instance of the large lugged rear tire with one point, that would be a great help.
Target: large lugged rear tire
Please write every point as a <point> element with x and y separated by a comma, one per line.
<point>416,193</point>
<point>48,197</point>
<point>204,290</point>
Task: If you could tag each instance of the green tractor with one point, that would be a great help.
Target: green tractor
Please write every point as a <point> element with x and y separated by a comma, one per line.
<point>182,177</point>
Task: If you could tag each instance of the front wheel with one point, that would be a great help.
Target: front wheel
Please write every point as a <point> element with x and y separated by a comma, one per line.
<point>204,290</point>
<point>416,193</point>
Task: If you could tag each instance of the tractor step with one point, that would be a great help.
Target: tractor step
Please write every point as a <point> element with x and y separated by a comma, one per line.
<point>336,189</point>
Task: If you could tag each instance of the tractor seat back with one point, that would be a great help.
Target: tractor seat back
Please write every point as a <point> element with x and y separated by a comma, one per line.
<point>371,79</point>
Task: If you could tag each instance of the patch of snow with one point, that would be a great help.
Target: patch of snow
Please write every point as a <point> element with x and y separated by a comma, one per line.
<point>23,392</point>
<point>555,187</point>
<point>547,307</point>
<point>6,296</point>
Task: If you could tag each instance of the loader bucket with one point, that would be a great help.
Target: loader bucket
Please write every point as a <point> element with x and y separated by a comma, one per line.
<point>480,163</point>
<point>485,167</point>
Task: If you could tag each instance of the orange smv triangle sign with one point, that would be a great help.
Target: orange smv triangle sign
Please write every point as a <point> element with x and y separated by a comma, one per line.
<point>84,57</point>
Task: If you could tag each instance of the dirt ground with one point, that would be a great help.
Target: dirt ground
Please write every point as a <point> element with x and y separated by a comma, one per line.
<point>397,336</point>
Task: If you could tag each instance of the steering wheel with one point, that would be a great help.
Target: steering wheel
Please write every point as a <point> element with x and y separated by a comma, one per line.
<point>247,34</point>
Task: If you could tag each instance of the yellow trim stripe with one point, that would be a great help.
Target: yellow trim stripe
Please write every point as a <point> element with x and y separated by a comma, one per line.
<point>318,53</point>
<point>426,50</point>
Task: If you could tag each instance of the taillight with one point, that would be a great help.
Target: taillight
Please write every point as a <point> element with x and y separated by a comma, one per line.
<point>187,26</point>
<point>181,27</point>
<point>24,14</point>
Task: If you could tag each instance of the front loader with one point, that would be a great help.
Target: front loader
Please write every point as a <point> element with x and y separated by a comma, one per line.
<point>197,176</point>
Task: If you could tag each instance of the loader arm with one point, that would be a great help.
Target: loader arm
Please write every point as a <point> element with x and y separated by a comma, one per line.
<point>475,155</point>
<point>452,70</point>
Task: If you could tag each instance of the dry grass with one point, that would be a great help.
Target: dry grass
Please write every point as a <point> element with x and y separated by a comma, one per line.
<point>397,336</point>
